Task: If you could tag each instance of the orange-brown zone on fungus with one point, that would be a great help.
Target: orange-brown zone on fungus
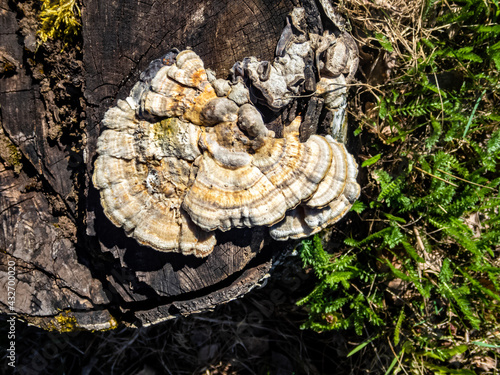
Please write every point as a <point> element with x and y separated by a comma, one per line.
<point>176,163</point>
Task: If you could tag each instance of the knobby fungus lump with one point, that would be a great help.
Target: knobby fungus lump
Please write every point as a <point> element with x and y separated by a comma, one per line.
<point>181,157</point>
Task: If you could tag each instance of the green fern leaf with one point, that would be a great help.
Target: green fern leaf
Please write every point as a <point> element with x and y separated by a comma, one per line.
<point>397,328</point>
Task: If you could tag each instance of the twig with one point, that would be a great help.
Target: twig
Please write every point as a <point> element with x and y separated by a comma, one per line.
<point>440,98</point>
<point>442,208</point>
<point>375,350</point>
<point>419,240</point>
<point>340,85</point>
<point>430,174</point>
<point>400,362</point>
<point>461,179</point>
<point>424,255</point>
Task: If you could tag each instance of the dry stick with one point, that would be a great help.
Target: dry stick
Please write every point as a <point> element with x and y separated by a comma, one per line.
<point>360,292</point>
<point>400,362</point>
<point>400,37</point>
<point>435,231</point>
<point>370,87</point>
<point>425,256</point>
<point>461,179</point>
<point>419,240</point>
<point>442,208</point>
<point>371,286</point>
<point>430,174</point>
<point>375,350</point>
<point>412,222</point>
<point>440,98</point>
<point>372,67</point>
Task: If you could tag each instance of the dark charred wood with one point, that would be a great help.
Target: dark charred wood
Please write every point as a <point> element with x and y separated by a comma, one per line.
<point>309,124</point>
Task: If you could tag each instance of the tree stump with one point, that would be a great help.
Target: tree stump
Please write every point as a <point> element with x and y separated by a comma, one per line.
<point>73,268</point>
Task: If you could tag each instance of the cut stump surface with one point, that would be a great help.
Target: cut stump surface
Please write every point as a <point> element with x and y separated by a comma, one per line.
<point>73,268</point>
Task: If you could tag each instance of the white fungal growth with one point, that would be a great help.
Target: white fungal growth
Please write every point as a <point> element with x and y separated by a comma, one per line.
<point>183,157</point>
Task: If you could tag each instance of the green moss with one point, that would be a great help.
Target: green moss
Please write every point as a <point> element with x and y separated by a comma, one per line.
<point>59,19</point>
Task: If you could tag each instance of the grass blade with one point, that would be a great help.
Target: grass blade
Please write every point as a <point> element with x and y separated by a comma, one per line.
<point>361,346</point>
<point>473,113</point>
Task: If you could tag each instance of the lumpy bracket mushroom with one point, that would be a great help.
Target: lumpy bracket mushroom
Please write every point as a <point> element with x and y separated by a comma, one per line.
<point>186,155</point>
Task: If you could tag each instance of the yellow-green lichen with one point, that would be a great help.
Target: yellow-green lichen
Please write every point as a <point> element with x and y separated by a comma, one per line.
<point>68,321</point>
<point>14,157</point>
<point>166,128</point>
<point>113,324</point>
<point>9,153</point>
<point>59,19</point>
<point>65,322</point>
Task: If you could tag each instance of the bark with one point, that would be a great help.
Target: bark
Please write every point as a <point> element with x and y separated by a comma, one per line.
<point>73,268</point>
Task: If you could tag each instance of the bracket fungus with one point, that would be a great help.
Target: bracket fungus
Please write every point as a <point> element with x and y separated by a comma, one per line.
<point>182,157</point>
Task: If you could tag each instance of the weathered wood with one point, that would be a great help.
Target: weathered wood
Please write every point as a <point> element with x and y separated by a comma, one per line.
<point>68,255</point>
<point>36,185</point>
<point>24,115</point>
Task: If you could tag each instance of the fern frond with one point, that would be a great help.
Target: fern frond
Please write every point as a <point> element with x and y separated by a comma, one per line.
<point>458,295</point>
<point>397,328</point>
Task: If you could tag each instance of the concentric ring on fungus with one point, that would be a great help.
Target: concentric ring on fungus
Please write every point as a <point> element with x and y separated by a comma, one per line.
<point>177,162</point>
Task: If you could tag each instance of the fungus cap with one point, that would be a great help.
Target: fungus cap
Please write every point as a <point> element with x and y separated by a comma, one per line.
<point>177,162</point>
